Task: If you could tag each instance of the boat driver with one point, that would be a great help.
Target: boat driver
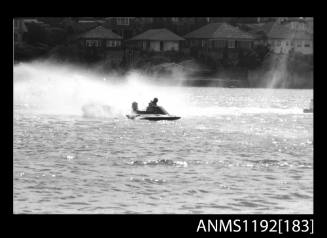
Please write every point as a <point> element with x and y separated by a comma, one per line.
<point>152,107</point>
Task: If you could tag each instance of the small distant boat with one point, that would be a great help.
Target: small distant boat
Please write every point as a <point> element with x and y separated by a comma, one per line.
<point>309,110</point>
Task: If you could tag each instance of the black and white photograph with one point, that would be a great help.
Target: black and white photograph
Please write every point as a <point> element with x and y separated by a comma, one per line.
<point>163,115</point>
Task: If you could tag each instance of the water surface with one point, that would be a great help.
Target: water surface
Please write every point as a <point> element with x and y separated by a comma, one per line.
<point>233,151</point>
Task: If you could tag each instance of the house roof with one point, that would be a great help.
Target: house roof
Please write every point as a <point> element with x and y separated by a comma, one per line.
<point>158,34</point>
<point>219,31</point>
<point>100,32</point>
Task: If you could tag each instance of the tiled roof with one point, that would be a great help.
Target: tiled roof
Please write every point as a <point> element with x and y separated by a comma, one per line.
<point>219,31</point>
<point>158,34</point>
<point>100,32</point>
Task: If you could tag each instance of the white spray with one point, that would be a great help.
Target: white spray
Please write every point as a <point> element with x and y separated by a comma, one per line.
<point>66,89</point>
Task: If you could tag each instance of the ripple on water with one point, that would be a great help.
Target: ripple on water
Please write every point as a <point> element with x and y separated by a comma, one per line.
<point>148,180</point>
<point>281,197</point>
<point>298,195</point>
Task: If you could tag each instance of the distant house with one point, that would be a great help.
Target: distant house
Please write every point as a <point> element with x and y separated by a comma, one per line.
<point>283,39</point>
<point>279,38</point>
<point>217,36</point>
<point>156,40</point>
<point>300,25</point>
<point>100,37</point>
<point>218,42</point>
<point>97,43</point>
<point>296,23</point>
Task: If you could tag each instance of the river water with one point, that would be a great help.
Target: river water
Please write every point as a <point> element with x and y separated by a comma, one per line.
<point>233,151</point>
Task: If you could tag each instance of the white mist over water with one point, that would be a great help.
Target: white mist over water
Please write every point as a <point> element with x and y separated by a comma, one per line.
<point>62,89</point>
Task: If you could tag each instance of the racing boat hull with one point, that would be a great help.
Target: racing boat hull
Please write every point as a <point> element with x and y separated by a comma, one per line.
<point>153,117</point>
